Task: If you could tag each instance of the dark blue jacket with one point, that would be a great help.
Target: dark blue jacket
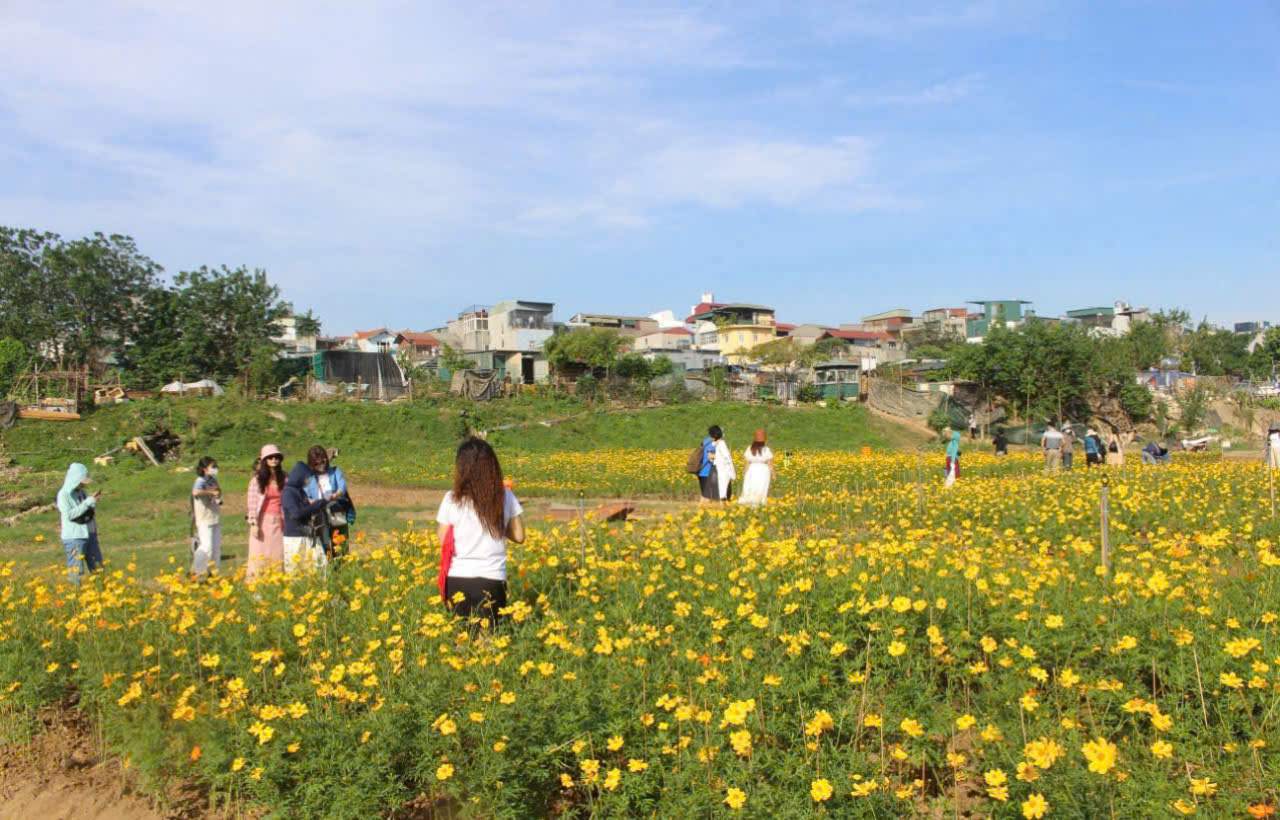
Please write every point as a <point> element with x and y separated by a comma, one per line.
<point>298,509</point>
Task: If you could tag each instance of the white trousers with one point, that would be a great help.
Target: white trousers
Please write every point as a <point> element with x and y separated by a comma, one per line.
<point>208,554</point>
<point>303,553</point>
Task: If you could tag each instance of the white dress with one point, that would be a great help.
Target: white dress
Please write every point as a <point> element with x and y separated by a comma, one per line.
<point>1273,450</point>
<point>724,468</point>
<point>755,482</point>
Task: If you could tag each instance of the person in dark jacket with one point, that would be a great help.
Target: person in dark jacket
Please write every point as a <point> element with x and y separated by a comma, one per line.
<point>303,546</point>
<point>1001,442</point>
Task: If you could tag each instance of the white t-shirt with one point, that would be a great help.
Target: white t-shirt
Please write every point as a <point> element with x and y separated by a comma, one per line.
<point>476,553</point>
<point>325,483</point>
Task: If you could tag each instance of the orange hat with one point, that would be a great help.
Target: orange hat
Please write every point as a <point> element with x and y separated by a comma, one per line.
<point>759,439</point>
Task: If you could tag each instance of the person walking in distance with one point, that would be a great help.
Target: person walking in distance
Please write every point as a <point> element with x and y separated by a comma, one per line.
<point>1068,446</point>
<point>206,517</point>
<point>1051,446</point>
<point>264,513</point>
<point>708,481</point>
<point>725,472</point>
<point>759,472</point>
<point>953,457</point>
<point>477,517</point>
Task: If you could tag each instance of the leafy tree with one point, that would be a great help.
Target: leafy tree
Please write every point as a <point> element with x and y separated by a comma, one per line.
<point>1263,360</point>
<point>452,359</point>
<point>1192,404</point>
<point>1212,351</point>
<point>1147,343</point>
<point>74,301</point>
<point>14,361</point>
<point>633,366</point>
<point>306,323</point>
<point>591,349</point>
<point>661,366</point>
<point>212,323</point>
<point>1246,410</point>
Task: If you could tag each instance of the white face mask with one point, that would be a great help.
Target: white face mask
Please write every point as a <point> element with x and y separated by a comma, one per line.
<point>211,472</point>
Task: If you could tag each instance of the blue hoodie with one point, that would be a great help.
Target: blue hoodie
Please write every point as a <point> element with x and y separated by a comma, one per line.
<point>74,502</point>
<point>298,509</point>
<point>953,447</point>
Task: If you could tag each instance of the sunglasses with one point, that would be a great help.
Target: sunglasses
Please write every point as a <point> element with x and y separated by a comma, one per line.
<point>275,458</point>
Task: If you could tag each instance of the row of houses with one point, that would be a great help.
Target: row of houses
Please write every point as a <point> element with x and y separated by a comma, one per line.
<point>509,337</point>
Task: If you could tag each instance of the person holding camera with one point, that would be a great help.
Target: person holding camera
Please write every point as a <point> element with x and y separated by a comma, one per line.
<point>78,509</point>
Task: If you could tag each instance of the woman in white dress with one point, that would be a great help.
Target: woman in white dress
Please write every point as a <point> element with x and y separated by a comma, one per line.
<point>755,482</point>
<point>1272,454</point>
<point>723,459</point>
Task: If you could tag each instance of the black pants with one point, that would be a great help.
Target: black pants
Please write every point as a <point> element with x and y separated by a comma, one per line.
<point>482,597</point>
<point>709,485</point>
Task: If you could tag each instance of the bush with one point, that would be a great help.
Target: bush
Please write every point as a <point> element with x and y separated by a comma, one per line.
<point>809,394</point>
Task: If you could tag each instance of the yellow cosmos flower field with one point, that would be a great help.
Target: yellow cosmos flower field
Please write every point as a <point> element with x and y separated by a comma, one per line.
<point>869,644</point>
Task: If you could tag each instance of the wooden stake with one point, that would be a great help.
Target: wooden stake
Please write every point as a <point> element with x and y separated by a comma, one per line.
<point>1105,510</point>
<point>1271,481</point>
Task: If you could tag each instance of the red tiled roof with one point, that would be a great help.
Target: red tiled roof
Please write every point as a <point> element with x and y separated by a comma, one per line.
<point>859,335</point>
<point>785,326</point>
<point>419,339</point>
<point>364,334</point>
<point>703,307</point>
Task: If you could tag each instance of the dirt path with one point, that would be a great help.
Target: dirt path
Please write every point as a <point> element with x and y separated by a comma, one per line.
<point>60,775</point>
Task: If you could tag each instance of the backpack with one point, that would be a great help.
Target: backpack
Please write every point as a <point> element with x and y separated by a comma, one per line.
<point>694,464</point>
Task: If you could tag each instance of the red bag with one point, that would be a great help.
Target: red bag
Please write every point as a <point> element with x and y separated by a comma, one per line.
<point>446,559</point>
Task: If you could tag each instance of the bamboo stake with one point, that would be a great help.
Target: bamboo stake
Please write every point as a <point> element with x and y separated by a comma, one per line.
<point>1105,515</point>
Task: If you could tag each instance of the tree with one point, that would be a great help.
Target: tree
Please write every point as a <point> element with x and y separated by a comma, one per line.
<point>1192,405</point>
<point>592,349</point>
<point>1246,412</point>
<point>305,323</point>
<point>452,359</point>
<point>76,300</point>
<point>786,356</point>
<point>213,323</point>
<point>14,361</point>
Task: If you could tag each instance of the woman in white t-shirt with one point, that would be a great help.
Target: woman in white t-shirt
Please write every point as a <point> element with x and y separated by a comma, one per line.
<point>483,514</point>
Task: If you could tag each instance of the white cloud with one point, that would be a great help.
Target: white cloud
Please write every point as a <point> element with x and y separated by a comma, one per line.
<point>319,132</point>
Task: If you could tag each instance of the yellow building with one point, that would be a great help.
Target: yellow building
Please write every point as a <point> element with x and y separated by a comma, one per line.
<point>739,328</point>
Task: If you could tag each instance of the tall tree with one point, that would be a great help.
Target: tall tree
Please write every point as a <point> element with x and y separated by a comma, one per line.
<point>74,301</point>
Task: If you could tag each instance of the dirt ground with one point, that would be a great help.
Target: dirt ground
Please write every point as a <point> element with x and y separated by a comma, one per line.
<point>60,775</point>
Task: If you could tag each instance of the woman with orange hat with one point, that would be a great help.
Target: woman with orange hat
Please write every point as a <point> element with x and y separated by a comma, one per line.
<point>759,473</point>
<point>265,513</point>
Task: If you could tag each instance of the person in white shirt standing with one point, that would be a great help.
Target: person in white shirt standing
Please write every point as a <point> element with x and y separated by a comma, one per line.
<point>206,515</point>
<point>1051,444</point>
<point>723,461</point>
<point>482,514</point>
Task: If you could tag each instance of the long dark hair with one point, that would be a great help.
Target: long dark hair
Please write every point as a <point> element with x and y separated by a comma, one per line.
<point>316,456</point>
<point>757,447</point>
<point>477,478</point>
<point>266,473</point>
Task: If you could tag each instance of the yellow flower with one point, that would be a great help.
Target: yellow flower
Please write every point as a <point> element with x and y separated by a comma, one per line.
<point>965,722</point>
<point>636,766</point>
<point>237,764</point>
<point>1182,806</point>
<point>1043,752</point>
<point>614,743</point>
<point>872,721</point>
<point>1231,680</point>
<point>1053,622</point>
<point>735,798</point>
<point>612,779</point>
<point>1101,754</point>
<point>1035,806</point>
<point>820,723</point>
<point>299,630</point>
<point>1162,749</point>
<point>897,648</point>
<point>912,727</point>
<point>444,771</point>
<point>741,742</point>
<point>995,777</point>
<point>1203,787</point>
<point>820,790</point>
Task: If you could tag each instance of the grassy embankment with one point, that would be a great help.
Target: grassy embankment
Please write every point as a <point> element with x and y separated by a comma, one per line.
<point>397,457</point>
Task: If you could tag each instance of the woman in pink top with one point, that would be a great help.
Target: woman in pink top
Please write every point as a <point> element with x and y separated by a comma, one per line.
<point>265,515</point>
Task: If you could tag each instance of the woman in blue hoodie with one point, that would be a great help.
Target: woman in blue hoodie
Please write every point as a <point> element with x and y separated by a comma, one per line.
<point>77,508</point>
<point>953,458</point>
<point>302,542</point>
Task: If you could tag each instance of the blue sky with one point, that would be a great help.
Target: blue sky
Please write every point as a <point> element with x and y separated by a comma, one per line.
<point>390,163</point>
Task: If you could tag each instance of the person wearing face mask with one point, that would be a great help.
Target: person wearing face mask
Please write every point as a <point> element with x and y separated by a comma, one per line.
<point>206,519</point>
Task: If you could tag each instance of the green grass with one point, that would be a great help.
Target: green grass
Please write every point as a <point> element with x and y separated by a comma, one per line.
<point>144,508</point>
